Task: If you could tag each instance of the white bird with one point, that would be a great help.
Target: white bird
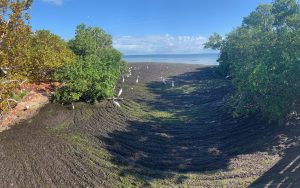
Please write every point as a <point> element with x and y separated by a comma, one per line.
<point>116,103</point>
<point>163,80</point>
<point>123,79</point>
<point>137,80</point>
<point>120,92</point>
<point>173,84</point>
<point>73,107</point>
<point>227,77</point>
<point>147,67</point>
<point>129,73</point>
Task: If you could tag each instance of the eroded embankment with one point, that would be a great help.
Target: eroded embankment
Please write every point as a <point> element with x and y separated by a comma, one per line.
<point>162,136</point>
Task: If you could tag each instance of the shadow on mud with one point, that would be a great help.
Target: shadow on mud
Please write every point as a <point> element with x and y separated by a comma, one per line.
<point>197,135</point>
<point>286,173</point>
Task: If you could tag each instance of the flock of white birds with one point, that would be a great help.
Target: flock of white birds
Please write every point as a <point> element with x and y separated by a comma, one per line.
<point>129,74</point>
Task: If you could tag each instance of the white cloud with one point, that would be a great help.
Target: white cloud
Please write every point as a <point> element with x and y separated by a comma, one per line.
<point>160,44</point>
<point>55,2</point>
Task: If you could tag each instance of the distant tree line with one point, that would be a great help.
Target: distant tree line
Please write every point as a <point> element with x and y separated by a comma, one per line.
<point>262,58</point>
<point>88,65</point>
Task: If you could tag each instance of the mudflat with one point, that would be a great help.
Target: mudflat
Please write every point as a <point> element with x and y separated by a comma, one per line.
<point>172,130</point>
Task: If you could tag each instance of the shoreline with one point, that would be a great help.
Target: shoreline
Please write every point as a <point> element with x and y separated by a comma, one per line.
<point>170,63</point>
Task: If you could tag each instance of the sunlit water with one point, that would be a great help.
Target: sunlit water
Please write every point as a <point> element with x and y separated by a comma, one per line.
<point>206,59</point>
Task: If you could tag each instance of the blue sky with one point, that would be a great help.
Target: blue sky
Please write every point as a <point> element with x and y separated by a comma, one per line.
<point>145,26</point>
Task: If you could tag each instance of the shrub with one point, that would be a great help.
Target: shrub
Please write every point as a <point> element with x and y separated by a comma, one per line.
<point>49,53</point>
<point>14,47</point>
<point>95,73</point>
<point>89,41</point>
<point>263,58</point>
<point>14,37</point>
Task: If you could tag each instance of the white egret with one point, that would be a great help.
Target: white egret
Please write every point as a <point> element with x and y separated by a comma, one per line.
<point>137,79</point>
<point>173,84</point>
<point>120,92</point>
<point>123,79</point>
<point>129,73</point>
<point>116,103</point>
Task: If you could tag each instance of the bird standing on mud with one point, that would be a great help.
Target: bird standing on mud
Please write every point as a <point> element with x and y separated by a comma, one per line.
<point>116,103</point>
<point>163,79</point>
<point>129,72</point>
<point>120,92</point>
<point>137,79</point>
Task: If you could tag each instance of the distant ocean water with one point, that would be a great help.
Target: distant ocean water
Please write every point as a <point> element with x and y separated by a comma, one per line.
<point>206,59</point>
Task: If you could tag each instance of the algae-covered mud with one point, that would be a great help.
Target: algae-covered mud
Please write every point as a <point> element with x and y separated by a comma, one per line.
<point>172,130</point>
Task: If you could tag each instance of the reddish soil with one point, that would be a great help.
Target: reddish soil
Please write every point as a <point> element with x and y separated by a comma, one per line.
<point>37,96</point>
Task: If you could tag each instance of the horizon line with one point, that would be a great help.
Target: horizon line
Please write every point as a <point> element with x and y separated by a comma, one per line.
<point>170,54</point>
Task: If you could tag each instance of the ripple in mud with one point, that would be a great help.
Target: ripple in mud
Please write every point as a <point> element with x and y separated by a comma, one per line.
<point>161,136</point>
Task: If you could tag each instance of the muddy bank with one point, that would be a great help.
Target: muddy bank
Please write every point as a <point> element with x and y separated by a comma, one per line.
<point>162,136</point>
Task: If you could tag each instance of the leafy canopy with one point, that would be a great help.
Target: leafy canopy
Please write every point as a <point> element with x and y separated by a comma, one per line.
<point>48,53</point>
<point>96,71</point>
<point>262,56</point>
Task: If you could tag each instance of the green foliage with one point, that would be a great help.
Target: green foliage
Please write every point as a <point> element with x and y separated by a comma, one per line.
<point>286,13</point>
<point>89,41</point>
<point>215,42</point>
<point>95,73</point>
<point>263,58</point>
<point>49,53</point>
<point>261,18</point>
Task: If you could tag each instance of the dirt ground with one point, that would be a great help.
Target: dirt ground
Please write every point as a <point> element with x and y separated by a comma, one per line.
<point>26,109</point>
<point>161,136</point>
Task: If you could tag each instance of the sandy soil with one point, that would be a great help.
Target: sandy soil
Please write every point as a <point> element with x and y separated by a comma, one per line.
<point>161,136</point>
<point>26,109</point>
